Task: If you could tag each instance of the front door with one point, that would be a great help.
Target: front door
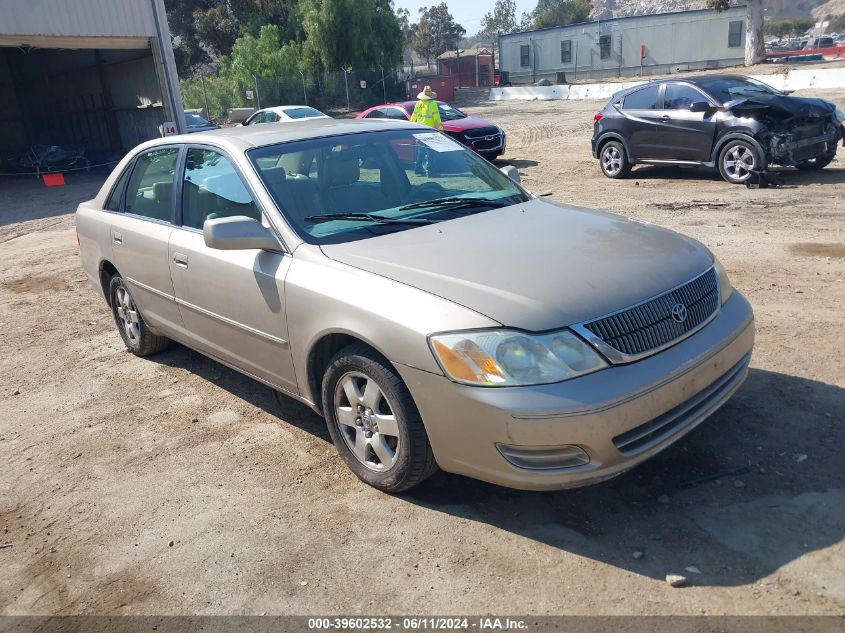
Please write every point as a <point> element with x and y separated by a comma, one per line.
<point>140,232</point>
<point>232,302</point>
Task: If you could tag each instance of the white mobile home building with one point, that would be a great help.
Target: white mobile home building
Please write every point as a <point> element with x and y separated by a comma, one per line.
<point>626,47</point>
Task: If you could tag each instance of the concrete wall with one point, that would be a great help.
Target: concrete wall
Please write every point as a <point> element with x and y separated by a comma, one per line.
<point>797,79</point>
<point>690,40</point>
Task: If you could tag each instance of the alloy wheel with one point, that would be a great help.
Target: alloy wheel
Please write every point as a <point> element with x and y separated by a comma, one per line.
<point>366,421</point>
<point>611,160</point>
<point>739,163</point>
<point>127,313</point>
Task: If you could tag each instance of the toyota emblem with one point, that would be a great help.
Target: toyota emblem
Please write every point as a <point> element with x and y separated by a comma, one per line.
<point>679,313</point>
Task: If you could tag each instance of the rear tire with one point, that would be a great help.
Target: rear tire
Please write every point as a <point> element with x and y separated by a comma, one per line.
<point>738,161</point>
<point>130,324</point>
<point>614,160</point>
<point>374,422</point>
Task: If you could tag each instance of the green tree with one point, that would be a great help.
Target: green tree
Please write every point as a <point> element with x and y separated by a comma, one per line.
<point>350,33</point>
<point>436,32</point>
<point>755,46</point>
<point>559,13</point>
<point>501,21</point>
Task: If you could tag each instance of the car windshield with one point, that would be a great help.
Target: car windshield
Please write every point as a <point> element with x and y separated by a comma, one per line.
<point>194,120</point>
<point>355,186</point>
<point>725,89</point>
<point>303,113</point>
<point>449,113</point>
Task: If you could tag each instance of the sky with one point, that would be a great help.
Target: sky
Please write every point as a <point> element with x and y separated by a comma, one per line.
<point>467,13</point>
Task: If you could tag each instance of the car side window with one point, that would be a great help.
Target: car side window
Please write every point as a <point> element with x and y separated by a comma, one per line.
<point>213,189</point>
<point>271,117</point>
<point>378,113</point>
<point>680,97</point>
<point>396,113</point>
<point>115,198</point>
<point>149,192</point>
<point>645,99</point>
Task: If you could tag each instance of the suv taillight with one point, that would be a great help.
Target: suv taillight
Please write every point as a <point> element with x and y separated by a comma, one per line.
<point>598,117</point>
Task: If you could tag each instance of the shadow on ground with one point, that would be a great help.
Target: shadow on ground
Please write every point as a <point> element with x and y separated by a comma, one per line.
<point>24,198</point>
<point>755,487</point>
<point>784,177</point>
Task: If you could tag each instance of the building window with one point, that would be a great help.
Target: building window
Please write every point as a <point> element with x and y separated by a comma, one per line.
<point>523,56</point>
<point>604,46</point>
<point>735,34</point>
<point>566,52</point>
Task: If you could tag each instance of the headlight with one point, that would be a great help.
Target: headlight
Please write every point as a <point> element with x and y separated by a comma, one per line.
<point>725,288</point>
<point>839,115</point>
<point>505,358</point>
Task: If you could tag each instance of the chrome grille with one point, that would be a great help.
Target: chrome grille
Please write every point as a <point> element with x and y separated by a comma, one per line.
<point>650,325</point>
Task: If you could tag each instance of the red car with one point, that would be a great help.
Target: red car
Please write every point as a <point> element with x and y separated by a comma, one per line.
<point>479,135</point>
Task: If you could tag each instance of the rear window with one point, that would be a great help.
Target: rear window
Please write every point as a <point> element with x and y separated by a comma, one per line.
<point>645,99</point>
<point>303,113</point>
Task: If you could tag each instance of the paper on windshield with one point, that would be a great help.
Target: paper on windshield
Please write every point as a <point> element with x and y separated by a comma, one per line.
<point>438,142</point>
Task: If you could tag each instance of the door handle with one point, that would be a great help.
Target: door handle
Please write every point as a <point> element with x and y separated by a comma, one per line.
<point>665,118</point>
<point>180,260</point>
<point>117,237</point>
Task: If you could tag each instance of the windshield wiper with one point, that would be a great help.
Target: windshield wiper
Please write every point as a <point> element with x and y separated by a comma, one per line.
<point>454,202</point>
<point>329,217</point>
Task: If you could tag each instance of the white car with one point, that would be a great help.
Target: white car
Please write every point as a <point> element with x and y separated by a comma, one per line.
<point>284,114</point>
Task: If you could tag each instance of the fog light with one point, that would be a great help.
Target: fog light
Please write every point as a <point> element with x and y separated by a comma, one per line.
<point>544,457</point>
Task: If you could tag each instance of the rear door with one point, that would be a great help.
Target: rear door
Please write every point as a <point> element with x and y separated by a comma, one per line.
<point>140,232</point>
<point>640,109</point>
<point>681,134</point>
<point>232,302</point>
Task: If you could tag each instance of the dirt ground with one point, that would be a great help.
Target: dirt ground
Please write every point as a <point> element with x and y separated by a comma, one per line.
<point>173,485</point>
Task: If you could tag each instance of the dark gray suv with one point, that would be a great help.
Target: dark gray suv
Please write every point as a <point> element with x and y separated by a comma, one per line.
<point>732,122</point>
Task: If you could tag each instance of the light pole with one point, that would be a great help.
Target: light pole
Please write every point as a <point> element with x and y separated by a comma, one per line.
<point>304,94</point>
<point>257,95</point>
<point>346,83</point>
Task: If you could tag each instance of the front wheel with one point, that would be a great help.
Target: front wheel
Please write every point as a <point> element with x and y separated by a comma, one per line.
<point>614,160</point>
<point>374,422</point>
<point>738,161</point>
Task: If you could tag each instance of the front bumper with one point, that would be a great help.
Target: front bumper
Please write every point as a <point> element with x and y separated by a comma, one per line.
<point>619,417</point>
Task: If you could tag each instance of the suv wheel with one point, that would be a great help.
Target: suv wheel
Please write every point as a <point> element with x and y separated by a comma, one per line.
<point>614,160</point>
<point>374,422</point>
<point>738,161</point>
<point>130,324</point>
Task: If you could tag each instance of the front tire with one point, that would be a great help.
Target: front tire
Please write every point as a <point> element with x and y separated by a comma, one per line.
<point>738,161</point>
<point>614,160</point>
<point>374,422</point>
<point>130,324</point>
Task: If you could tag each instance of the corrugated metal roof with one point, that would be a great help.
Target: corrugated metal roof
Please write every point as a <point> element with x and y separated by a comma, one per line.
<point>93,18</point>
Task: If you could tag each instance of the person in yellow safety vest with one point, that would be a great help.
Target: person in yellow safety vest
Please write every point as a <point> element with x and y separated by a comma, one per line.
<point>426,110</point>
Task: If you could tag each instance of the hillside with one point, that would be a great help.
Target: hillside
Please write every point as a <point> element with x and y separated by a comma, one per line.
<point>604,9</point>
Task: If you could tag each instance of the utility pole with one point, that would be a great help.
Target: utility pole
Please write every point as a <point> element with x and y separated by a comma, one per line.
<point>383,85</point>
<point>205,96</point>
<point>346,83</point>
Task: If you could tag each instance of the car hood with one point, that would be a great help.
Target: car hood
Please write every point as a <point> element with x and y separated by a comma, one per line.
<point>535,266</point>
<point>468,123</point>
<point>792,106</point>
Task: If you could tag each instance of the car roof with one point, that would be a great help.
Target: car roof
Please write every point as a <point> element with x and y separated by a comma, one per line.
<point>287,107</point>
<point>240,139</point>
<point>697,80</point>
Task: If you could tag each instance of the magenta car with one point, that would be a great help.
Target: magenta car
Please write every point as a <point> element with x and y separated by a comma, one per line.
<point>479,135</point>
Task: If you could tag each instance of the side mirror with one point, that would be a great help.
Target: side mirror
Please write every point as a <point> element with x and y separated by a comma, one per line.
<point>238,233</point>
<point>700,106</point>
<point>511,172</point>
